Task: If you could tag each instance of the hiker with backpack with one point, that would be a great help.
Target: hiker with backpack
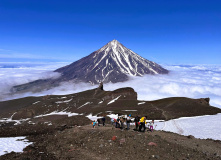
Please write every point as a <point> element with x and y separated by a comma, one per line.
<point>142,124</point>
<point>94,123</point>
<point>117,122</point>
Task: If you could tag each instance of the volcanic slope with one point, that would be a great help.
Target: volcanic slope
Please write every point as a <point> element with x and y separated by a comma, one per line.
<point>59,136</point>
<point>111,63</point>
<point>87,143</point>
<point>100,102</point>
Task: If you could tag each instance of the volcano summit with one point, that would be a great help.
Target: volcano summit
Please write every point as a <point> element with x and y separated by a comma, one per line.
<point>111,63</point>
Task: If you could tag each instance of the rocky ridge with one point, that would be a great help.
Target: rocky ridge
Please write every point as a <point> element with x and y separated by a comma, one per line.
<point>98,102</point>
<point>72,137</point>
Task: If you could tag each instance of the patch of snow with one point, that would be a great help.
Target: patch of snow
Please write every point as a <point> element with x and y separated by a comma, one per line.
<point>100,102</point>
<point>16,144</point>
<point>153,70</point>
<point>63,97</point>
<point>112,101</point>
<point>141,103</point>
<point>36,102</point>
<point>30,122</point>
<point>93,117</point>
<point>203,127</point>
<point>155,120</point>
<point>107,74</point>
<point>115,116</point>
<point>8,120</point>
<point>84,104</point>
<point>69,114</point>
<point>64,101</point>
<point>130,110</point>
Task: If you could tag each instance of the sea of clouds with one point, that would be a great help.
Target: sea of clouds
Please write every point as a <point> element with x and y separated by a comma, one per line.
<point>193,81</point>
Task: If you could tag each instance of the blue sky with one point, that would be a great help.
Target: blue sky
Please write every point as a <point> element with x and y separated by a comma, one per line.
<point>167,32</point>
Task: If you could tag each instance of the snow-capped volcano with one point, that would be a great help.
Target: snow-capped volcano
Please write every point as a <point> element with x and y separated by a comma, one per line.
<point>126,60</point>
<point>111,63</point>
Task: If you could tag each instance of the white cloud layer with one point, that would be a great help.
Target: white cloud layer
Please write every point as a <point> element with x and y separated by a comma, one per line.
<point>182,81</point>
<point>12,74</point>
<point>193,81</point>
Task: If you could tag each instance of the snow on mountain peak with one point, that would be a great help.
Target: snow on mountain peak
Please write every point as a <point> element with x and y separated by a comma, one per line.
<point>111,63</point>
<point>112,45</point>
<point>124,60</point>
<point>114,41</point>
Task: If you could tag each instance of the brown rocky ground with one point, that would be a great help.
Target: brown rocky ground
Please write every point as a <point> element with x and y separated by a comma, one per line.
<point>86,143</point>
<point>73,137</point>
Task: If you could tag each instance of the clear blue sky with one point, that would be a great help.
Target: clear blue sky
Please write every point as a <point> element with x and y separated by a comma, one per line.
<point>164,31</point>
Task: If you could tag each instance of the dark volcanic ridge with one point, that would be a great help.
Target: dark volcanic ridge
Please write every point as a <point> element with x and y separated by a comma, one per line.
<point>100,102</point>
<point>111,63</point>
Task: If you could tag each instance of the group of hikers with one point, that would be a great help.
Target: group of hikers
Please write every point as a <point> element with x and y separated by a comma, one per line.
<point>140,123</point>
<point>99,122</point>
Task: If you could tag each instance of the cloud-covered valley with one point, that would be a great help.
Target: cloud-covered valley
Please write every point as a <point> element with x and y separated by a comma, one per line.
<point>193,81</point>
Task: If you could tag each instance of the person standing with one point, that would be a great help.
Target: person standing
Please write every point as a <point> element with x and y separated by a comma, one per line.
<point>118,122</point>
<point>94,123</point>
<point>98,122</point>
<point>142,124</point>
<point>151,125</point>
<point>128,122</point>
<point>122,123</point>
<point>112,121</point>
<point>103,120</point>
<point>136,120</point>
